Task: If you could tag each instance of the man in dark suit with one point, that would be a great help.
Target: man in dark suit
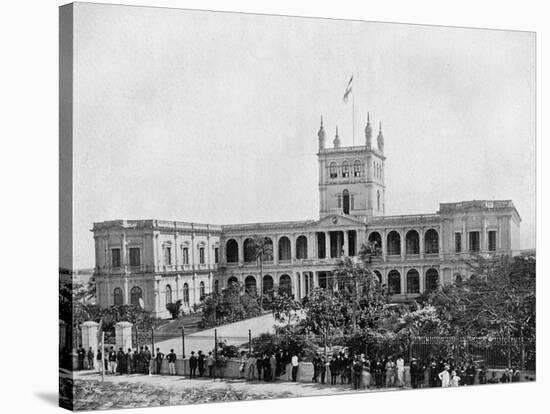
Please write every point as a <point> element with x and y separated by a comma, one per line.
<point>90,356</point>
<point>121,361</point>
<point>200,363</point>
<point>112,360</point>
<point>158,359</point>
<point>171,358</point>
<point>81,356</point>
<point>193,365</point>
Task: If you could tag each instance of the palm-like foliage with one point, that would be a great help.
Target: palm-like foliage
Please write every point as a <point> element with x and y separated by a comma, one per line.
<point>263,251</point>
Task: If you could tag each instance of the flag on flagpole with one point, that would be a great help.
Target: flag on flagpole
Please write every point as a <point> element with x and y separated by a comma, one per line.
<point>348,89</point>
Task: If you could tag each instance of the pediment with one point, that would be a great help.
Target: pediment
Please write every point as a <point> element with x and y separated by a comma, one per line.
<point>338,220</point>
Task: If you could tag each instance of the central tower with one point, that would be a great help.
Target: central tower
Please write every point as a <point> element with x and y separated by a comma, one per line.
<point>351,179</point>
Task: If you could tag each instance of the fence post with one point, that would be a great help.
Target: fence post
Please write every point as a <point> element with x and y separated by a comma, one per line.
<point>216,344</point>
<point>182,342</point>
<point>153,342</point>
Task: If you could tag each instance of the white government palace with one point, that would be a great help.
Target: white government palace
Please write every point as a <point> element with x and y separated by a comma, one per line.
<point>163,261</point>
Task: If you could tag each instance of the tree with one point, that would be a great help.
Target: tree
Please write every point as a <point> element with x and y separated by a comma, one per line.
<point>174,308</point>
<point>420,322</point>
<point>497,300</point>
<point>285,308</point>
<point>263,249</point>
<point>323,312</point>
<point>231,305</point>
<point>361,292</point>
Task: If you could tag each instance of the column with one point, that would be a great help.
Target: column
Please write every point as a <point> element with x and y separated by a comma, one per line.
<point>327,245</point>
<point>276,250</point>
<point>384,244</point>
<point>126,292</point>
<point>346,243</point>
<point>178,291</point>
<point>421,279</point>
<point>403,247</point>
<point>175,247</point>
<point>109,295</point>
<point>156,249</point>
<point>464,241</point>
<point>292,239</point>
<point>157,297</point>
<point>124,252</point>
<point>241,251</point>
<point>310,245</point>
<point>483,238</point>
<point>403,281</point>
<point>421,237</point>
<point>123,335</point>
<point>208,252</point>
<point>440,240</point>
<point>193,260</point>
<point>315,279</point>
<point>89,335</point>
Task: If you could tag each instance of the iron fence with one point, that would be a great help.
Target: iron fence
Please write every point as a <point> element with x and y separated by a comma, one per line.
<point>492,352</point>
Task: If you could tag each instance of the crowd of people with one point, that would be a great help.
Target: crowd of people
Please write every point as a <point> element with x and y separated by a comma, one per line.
<point>341,368</point>
<point>269,366</point>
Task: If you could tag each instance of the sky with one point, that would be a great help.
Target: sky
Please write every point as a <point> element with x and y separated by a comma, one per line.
<point>213,117</point>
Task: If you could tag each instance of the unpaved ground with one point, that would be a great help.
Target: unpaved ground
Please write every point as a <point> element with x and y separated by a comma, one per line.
<point>125,391</point>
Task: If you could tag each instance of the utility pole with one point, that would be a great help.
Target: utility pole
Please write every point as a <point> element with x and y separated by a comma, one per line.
<point>249,343</point>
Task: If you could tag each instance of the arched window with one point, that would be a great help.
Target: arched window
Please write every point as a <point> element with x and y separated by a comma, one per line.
<point>202,290</point>
<point>285,284</point>
<point>458,279</point>
<point>394,243</point>
<point>186,293</point>
<point>249,250</point>
<point>378,199</point>
<point>232,280</point>
<point>216,287</point>
<point>413,281</point>
<point>333,170</point>
<point>117,297</point>
<point>379,276</point>
<point>394,282</point>
<point>357,168</point>
<point>345,169</point>
<point>168,294</point>
<point>135,296</point>
<point>284,248</point>
<point>232,251</point>
<point>375,238</point>
<point>412,242</point>
<point>431,240</point>
<point>432,280</point>
<point>267,287</point>
<point>301,247</point>
<point>345,198</point>
<point>250,285</point>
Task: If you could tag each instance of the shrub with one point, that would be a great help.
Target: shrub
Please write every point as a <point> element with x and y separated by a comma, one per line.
<point>174,308</point>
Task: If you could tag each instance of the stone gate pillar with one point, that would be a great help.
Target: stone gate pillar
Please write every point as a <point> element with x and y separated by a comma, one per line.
<point>89,335</point>
<point>123,335</point>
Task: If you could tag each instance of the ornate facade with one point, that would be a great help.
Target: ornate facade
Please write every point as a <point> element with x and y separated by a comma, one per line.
<point>163,261</point>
